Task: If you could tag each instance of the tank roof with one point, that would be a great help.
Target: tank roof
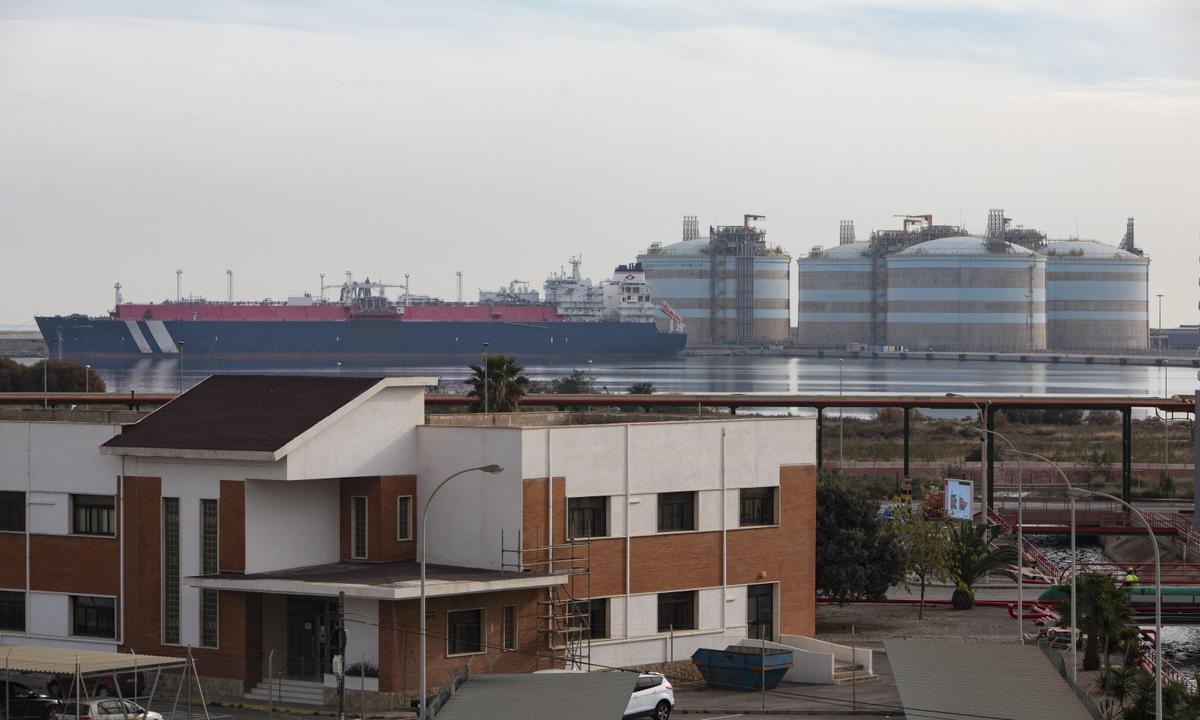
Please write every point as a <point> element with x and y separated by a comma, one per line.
<point>849,250</point>
<point>685,247</point>
<point>1087,249</point>
<point>961,245</point>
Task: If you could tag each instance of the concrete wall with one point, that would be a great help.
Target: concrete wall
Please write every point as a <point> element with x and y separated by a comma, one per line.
<point>378,437</point>
<point>291,524</point>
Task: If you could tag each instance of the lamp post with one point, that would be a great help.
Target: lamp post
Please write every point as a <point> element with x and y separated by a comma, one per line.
<point>1162,339</point>
<point>491,470</point>
<point>87,378</point>
<point>1075,492</point>
<point>485,379</point>
<point>841,413</point>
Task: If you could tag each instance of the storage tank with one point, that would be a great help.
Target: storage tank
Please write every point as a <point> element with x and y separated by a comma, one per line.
<point>730,288</point>
<point>967,293</point>
<point>833,290</point>
<point>1097,297</point>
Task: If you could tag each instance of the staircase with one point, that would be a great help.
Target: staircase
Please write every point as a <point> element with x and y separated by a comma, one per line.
<point>288,692</point>
<point>845,673</point>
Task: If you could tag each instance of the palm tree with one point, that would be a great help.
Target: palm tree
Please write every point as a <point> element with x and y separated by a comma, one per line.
<point>971,557</point>
<point>504,381</point>
<point>1102,613</point>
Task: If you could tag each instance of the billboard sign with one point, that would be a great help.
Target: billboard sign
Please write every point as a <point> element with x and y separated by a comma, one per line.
<point>959,496</point>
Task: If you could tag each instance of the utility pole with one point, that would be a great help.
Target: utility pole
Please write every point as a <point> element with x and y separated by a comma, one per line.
<point>1162,344</point>
<point>339,659</point>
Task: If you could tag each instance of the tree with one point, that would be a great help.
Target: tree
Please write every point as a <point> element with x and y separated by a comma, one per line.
<point>855,558</point>
<point>1102,612</point>
<point>925,546</point>
<point>505,384</point>
<point>60,376</point>
<point>971,557</point>
<point>577,382</point>
<point>641,388</point>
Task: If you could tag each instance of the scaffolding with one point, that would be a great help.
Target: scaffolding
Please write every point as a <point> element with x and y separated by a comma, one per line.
<point>564,615</point>
<point>742,243</point>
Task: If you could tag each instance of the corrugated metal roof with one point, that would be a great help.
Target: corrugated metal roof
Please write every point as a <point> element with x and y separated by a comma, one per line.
<point>960,245</point>
<point>964,679</point>
<point>579,696</point>
<point>38,659</point>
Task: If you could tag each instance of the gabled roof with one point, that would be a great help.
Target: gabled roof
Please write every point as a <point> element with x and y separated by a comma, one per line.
<point>248,417</point>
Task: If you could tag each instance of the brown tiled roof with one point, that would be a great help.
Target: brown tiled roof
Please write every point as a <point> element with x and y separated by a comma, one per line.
<point>243,412</point>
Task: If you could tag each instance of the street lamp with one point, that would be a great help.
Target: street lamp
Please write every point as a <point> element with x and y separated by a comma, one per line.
<point>841,413</point>
<point>491,470</point>
<point>485,379</point>
<point>1075,492</point>
<point>1162,339</point>
<point>87,378</point>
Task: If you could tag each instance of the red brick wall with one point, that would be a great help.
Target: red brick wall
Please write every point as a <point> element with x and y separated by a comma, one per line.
<point>75,564</point>
<point>390,548</point>
<point>399,639</point>
<point>12,560</point>
<point>231,516</point>
<point>368,487</point>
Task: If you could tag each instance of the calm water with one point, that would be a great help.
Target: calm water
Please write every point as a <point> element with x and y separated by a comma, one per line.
<point>748,375</point>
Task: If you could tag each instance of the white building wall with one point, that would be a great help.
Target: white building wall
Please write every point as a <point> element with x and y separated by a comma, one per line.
<point>362,631</point>
<point>291,524</point>
<point>379,437</point>
<point>468,515</point>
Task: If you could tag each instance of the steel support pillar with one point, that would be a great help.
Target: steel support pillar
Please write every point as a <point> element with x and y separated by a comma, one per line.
<point>907,438</point>
<point>820,438</point>
<point>989,455</point>
<point>1127,454</point>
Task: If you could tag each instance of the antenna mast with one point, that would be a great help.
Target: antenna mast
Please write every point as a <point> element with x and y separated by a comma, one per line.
<point>459,276</point>
<point>178,285</point>
<point>229,279</point>
<point>117,290</point>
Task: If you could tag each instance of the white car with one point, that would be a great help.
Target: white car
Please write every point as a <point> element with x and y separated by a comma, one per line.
<point>653,697</point>
<point>106,709</point>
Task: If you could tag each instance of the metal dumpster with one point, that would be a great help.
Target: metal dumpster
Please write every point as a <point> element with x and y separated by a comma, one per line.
<point>743,668</point>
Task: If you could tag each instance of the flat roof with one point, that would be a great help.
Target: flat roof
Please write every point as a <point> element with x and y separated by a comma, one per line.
<point>41,659</point>
<point>963,679</point>
<point>382,580</point>
<point>580,696</point>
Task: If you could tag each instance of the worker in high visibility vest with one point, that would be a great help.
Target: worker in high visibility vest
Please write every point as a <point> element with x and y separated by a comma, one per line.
<point>1131,578</point>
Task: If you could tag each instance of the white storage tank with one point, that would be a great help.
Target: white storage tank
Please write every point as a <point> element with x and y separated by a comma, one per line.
<point>834,289</point>
<point>1097,297</point>
<point>967,293</point>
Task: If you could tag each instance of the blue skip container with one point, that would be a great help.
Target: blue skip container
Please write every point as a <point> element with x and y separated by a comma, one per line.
<point>743,668</point>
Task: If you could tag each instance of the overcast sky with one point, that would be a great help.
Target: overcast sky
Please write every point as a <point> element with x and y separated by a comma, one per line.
<point>285,139</point>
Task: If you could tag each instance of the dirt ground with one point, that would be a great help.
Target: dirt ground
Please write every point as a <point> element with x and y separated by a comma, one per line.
<point>875,623</point>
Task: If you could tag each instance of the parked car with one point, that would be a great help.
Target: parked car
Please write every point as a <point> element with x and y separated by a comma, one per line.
<point>133,684</point>
<point>107,709</point>
<point>25,703</point>
<point>653,697</point>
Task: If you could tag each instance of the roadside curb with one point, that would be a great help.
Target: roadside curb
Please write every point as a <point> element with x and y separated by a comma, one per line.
<point>786,711</point>
<point>312,711</point>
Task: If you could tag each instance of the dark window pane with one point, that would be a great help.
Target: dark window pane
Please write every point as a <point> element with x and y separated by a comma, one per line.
<point>404,517</point>
<point>510,627</point>
<point>208,617</point>
<point>12,511</point>
<point>170,572</point>
<point>676,511</point>
<point>757,506</point>
<point>12,610</point>
<point>677,611</point>
<point>93,514</point>
<point>209,535</point>
<point>587,517</point>
<point>358,527</point>
<point>93,616</point>
<point>464,632</point>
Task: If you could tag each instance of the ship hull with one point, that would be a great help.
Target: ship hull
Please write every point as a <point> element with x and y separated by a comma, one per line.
<point>350,341</point>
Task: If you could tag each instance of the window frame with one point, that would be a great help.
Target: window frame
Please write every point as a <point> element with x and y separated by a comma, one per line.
<point>481,644</point>
<point>21,506</point>
<point>508,635</point>
<point>692,596</point>
<point>689,515</point>
<point>592,604</point>
<point>24,601</point>
<point>772,506</point>
<point>112,521</point>
<point>601,513</point>
<point>171,591</point>
<point>75,612</point>
<point>408,519</point>
<point>354,523</point>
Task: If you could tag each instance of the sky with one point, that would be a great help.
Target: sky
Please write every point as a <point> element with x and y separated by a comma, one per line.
<point>287,139</point>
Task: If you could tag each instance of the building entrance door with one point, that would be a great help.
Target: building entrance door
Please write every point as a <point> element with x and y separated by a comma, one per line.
<point>310,624</point>
<point>760,611</point>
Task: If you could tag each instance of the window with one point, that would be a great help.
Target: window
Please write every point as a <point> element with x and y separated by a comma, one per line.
<point>676,511</point>
<point>12,610</point>
<point>677,611</point>
<point>509,641</point>
<point>209,537</point>
<point>12,511</point>
<point>757,506</point>
<point>93,515</point>
<point>404,517</point>
<point>593,616</point>
<point>645,683</point>
<point>93,616</point>
<point>587,517</point>
<point>464,632</point>
<point>170,570</point>
<point>358,527</point>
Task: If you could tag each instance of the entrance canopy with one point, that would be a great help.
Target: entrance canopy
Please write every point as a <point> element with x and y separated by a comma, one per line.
<point>53,660</point>
<point>583,696</point>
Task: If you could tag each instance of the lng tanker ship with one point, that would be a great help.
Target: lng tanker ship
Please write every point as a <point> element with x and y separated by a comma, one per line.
<point>614,319</point>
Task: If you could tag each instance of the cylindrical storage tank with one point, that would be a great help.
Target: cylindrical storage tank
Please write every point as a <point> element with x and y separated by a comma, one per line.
<point>682,275</point>
<point>967,294</point>
<point>1097,297</point>
<point>834,287</point>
